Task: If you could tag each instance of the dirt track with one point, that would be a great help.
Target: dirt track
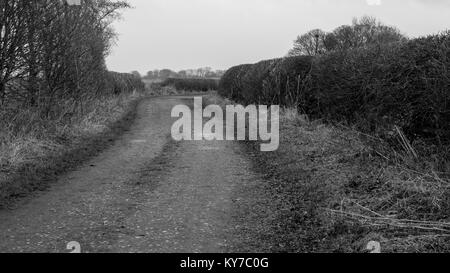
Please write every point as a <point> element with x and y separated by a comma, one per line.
<point>146,193</point>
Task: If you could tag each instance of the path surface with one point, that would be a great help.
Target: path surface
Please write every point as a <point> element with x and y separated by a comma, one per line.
<point>146,193</point>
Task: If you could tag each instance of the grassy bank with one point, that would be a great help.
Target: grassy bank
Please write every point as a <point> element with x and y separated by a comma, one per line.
<point>191,85</point>
<point>335,189</point>
<point>338,189</point>
<point>34,150</point>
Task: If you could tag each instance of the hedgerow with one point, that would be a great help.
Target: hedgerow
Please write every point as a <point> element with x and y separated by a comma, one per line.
<point>118,83</point>
<point>182,84</point>
<point>231,83</point>
<point>403,84</point>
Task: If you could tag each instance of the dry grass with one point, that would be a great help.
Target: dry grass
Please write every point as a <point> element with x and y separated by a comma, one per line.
<point>374,195</point>
<point>40,137</point>
<point>30,143</point>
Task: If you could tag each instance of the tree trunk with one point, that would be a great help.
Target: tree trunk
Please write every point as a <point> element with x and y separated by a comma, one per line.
<point>32,58</point>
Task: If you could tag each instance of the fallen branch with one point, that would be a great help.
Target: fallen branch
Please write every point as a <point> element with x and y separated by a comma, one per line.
<point>398,223</point>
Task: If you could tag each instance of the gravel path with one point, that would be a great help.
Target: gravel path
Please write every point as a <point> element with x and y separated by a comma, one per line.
<point>146,193</point>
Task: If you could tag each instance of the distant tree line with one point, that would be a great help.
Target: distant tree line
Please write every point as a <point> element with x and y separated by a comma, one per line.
<point>371,77</point>
<point>50,50</point>
<point>200,73</point>
<point>192,84</point>
<point>364,32</point>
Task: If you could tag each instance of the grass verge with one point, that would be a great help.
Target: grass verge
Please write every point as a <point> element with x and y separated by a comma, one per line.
<point>342,189</point>
<point>34,151</point>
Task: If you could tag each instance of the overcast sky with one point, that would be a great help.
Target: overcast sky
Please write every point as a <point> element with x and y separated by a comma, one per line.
<point>182,34</point>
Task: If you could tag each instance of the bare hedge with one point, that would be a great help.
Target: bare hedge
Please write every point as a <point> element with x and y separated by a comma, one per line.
<point>51,51</point>
<point>404,84</point>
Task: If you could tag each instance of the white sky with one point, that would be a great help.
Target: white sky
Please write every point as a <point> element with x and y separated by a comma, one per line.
<point>182,34</point>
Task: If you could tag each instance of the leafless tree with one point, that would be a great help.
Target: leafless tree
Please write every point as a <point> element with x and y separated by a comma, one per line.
<point>363,32</point>
<point>366,31</point>
<point>310,44</point>
<point>54,50</point>
<point>12,41</point>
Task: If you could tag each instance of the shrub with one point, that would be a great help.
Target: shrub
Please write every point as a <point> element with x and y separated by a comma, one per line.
<point>405,84</point>
<point>269,82</point>
<point>231,83</point>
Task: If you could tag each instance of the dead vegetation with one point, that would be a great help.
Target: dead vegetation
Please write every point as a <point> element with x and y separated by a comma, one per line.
<point>339,189</point>
<point>396,197</point>
<point>192,84</point>
<point>34,149</point>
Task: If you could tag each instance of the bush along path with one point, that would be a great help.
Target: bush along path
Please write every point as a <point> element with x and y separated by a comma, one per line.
<point>376,89</point>
<point>324,190</point>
